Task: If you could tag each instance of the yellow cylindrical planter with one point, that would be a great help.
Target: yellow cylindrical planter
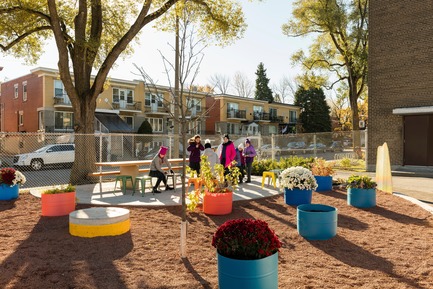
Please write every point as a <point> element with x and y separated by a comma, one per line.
<point>98,222</point>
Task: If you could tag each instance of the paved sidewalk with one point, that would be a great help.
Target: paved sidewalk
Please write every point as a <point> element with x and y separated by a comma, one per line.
<point>416,189</point>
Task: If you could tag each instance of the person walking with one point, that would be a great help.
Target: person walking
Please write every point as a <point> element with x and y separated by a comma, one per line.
<point>249,154</point>
<point>157,171</point>
<point>195,148</point>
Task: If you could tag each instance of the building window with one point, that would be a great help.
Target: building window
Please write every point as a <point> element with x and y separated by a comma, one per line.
<point>123,96</point>
<point>292,117</point>
<point>194,104</point>
<point>272,129</point>
<point>129,121</point>
<point>232,128</point>
<point>63,120</point>
<point>157,124</point>
<point>194,127</point>
<point>21,118</point>
<point>60,94</point>
<point>153,100</point>
<point>16,90</point>
<point>273,112</point>
<point>25,91</point>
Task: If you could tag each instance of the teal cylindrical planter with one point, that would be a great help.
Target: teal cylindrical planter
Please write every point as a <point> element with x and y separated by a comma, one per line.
<point>248,274</point>
<point>316,221</point>
<point>8,192</point>
<point>361,198</point>
<point>297,197</point>
<point>324,183</point>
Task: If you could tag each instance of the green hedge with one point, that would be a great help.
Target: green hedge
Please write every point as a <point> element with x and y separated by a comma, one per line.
<point>266,165</point>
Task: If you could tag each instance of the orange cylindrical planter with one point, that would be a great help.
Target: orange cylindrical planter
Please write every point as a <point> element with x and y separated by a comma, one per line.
<point>58,204</point>
<point>217,203</point>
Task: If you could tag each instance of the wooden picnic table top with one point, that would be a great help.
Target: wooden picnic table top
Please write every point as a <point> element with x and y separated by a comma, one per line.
<point>133,163</point>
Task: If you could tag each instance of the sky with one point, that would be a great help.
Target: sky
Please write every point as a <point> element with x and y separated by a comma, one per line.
<point>263,42</point>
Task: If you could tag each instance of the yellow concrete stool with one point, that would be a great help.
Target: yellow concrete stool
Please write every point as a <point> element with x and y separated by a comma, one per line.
<point>269,175</point>
<point>124,179</point>
<point>142,180</point>
<point>97,222</point>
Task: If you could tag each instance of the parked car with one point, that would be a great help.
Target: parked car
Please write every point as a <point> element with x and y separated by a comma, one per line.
<point>337,146</point>
<point>266,150</point>
<point>296,145</point>
<point>317,146</point>
<point>56,154</point>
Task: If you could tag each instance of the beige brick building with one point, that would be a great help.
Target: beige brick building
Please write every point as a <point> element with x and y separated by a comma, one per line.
<point>400,81</point>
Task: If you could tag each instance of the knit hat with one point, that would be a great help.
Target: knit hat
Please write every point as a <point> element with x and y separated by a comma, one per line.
<point>241,146</point>
<point>248,141</point>
<point>207,141</point>
<point>163,150</point>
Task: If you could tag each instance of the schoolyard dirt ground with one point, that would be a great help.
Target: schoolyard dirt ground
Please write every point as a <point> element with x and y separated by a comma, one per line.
<point>388,246</point>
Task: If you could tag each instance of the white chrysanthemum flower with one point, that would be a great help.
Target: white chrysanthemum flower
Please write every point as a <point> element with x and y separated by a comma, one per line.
<point>297,177</point>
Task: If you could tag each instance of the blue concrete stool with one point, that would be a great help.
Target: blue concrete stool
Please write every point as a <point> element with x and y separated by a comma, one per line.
<point>124,179</point>
<point>142,180</point>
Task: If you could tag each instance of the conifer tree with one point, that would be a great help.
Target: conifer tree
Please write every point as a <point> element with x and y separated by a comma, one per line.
<point>263,92</point>
<point>315,115</point>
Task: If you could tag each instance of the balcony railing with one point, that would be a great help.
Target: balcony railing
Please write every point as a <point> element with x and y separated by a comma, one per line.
<point>262,116</point>
<point>278,119</point>
<point>59,100</point>
<point>236,113</point>
<point>127,106</point>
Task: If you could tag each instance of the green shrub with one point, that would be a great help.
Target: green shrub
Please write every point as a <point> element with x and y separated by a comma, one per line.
<point>259,166</point>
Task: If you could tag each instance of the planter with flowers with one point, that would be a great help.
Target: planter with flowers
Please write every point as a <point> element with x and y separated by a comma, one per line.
<point>247,252</point>
<point>322,171</point>
<point>10,181</point>
<point>58,201</point>
<point>217,190</point>
<point>298,184</point>
<point>361,191</point>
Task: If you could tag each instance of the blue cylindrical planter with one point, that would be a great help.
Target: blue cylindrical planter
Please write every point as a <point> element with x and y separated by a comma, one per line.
<point>297,197</point>
<point>361,198</point>
<point>316,221</point>
<point>248,274</point>
<point>324,183</point>
<point>8,192</point>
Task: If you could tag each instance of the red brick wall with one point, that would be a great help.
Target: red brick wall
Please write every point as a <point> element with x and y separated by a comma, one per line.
<point>12,105</point>
<point>214,114</point>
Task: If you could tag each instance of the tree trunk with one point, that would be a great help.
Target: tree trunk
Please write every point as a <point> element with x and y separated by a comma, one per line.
<point>85,144</point>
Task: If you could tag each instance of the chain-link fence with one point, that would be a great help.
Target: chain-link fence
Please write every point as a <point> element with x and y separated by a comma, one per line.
<point>46,158</point>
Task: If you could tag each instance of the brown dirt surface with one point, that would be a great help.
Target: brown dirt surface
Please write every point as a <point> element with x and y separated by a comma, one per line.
<point>389,246</point>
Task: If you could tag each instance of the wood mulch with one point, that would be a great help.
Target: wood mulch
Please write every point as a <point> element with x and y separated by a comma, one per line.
<point>389,246</point>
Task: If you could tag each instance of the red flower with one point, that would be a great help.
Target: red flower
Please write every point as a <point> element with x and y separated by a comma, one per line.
<point>7,175</point>
<point>245,239</point>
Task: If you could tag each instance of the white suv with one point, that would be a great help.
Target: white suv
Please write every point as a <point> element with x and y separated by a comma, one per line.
<point>48,155</point>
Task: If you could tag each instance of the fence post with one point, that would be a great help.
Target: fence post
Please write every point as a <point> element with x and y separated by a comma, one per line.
<point>273,146</point>
<point>315,144</point>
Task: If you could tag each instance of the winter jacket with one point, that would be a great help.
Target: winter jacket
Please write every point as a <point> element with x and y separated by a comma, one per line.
<point>249,153</point>
<point>194,157</point>
<point>228,153</point>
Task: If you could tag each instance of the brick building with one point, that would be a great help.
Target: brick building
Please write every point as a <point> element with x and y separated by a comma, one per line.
<point>400,81</point>
<point>39,102</point>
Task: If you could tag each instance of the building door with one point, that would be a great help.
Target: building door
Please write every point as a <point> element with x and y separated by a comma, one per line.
<point>418,140</point>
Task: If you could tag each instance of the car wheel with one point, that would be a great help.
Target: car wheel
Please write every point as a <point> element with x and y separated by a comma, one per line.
<point>37,164</point>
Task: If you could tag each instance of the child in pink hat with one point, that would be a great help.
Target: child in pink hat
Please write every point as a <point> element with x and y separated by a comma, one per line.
<point>157,171</point>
